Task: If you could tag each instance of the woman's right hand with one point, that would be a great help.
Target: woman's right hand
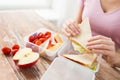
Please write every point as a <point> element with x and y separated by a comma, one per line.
<point>70,28</point>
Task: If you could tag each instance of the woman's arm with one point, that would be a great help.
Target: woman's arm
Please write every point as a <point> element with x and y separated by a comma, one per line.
<point>79,15</point>
<point>104,45</point>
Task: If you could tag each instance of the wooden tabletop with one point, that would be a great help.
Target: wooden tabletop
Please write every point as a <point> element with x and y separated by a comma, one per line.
<point>14,26</point>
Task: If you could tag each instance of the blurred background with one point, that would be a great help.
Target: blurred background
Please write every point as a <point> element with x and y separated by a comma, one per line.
<point>56,11</point>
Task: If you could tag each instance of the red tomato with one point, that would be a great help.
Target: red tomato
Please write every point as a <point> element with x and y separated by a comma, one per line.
<point>15,46</point>
<point>42,39</point>
<point>47,34</point>
<point>40,35</point>
<point>6,50</point>
<point>38,42</point>
<point>14,51</point>
<point>32,38</point>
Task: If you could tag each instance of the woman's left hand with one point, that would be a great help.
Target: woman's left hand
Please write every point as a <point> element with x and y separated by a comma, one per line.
<point>103,45</point>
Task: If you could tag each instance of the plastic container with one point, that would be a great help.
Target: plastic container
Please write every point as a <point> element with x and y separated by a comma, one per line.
<point>64,69</point>
<point>68,49</point>
<point>49,54</point>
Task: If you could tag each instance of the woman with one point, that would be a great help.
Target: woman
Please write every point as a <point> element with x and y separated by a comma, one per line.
<point>104,16</point>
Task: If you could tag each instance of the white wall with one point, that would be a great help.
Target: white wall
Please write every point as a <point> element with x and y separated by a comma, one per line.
<point>60,11</point>
<point>24,4</point>
<point>54,10</point>
<point>68,10</point>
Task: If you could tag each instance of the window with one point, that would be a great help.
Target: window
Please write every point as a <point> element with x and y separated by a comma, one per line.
<point>22,4</point>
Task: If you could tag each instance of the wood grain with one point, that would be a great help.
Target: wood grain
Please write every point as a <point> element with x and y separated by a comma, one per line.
<point>14,26</point>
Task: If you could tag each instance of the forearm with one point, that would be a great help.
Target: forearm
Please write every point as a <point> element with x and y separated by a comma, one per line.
<point>79,15</point>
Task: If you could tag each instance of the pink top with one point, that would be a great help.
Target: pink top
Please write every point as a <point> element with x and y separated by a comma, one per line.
<point>107,24</point>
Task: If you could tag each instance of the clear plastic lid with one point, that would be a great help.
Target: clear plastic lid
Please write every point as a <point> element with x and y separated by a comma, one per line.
<point>64,69</point>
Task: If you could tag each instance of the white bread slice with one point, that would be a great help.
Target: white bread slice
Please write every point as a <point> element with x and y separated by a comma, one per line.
<point>84,35</point>
<point>84,59</point>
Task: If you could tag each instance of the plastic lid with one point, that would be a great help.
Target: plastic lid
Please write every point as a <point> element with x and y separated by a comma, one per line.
<point>64,69</point>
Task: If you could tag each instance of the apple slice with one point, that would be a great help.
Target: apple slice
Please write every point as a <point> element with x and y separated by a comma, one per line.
<point>29,60</point>
<point>25,58</point>
<point>20,54</point>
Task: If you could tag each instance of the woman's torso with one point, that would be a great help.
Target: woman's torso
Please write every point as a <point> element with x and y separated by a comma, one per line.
<point>107,24</point>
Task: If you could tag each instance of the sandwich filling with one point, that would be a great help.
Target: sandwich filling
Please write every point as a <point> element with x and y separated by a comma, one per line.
<point>87,58</point>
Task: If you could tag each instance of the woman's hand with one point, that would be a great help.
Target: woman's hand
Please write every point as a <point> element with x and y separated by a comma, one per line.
<point>103,45</point>
<point>70,28</point>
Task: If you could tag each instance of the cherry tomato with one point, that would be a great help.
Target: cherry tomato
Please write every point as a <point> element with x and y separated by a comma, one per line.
<point>42,39</point>
<point>6,50</point>
<point>40,35</point>
<point>38,42</point>
<point>32,38</point>
<point>15,46</point>
<point>47,34</point>
<point>13,51</point>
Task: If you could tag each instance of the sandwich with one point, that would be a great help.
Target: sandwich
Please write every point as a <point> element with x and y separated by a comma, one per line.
<point>84,59</point>
<point>87,58</point>
<point>81,39</point>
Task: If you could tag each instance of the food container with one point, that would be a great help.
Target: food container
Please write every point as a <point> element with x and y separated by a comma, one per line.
<point>69,50</point>
<point>64,69</point>
<point>42,48</point>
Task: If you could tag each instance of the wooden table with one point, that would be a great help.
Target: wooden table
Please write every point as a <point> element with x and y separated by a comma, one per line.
<point>16,25</point>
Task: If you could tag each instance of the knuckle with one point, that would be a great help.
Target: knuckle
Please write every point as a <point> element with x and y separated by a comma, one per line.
<point>67,29</point>
<point>101,41</point>
<point>102,51</point>
<point>70,26</point>
<point>67,23</point>
<point>99,36</point>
